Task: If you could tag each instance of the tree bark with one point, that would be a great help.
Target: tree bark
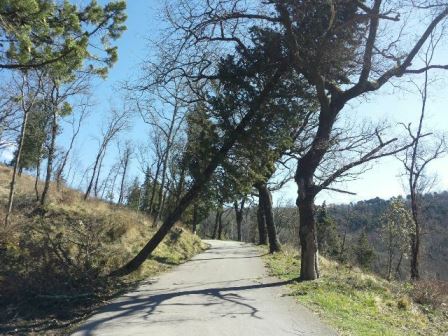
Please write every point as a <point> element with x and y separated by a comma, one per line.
<point>97,179</point>
<point>309,269</point>
<point>36,181</point>
<point>239,218</point>
<point>220,225</point>
<point>261,220</point>
<point>125,168</point>
<point>95,167</point>
<point>61,168</point>
<point>415,239</point>
<point>153,191</point>
<point>398,268</point>
<point>266,202</point>
<point>215,229</point>
<point>391,257</point>
<point>307,190</point>
<point>12,187</point>
<point>51,151</point>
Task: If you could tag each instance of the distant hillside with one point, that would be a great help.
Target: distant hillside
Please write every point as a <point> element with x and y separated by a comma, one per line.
<point>365,215</point>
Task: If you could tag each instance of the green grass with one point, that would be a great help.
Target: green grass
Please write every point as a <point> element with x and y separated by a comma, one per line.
<point>356,303</point>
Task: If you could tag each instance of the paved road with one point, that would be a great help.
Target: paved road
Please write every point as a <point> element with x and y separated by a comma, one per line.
<point>223,291</point>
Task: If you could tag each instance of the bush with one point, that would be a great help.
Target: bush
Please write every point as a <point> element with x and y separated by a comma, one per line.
<point>430,292</point>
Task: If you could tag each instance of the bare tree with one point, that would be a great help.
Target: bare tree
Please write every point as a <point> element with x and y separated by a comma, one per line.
<point>29,86</point>
<point>416,159</point>
<point>163,109</point>
<point>56,93</point>
<point>125,153</point>
<point>76,123</point>
<point>10,116</point>
<point>117,122</point>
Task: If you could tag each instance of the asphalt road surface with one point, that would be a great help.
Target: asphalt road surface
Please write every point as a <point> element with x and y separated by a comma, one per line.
<point>223,291</point>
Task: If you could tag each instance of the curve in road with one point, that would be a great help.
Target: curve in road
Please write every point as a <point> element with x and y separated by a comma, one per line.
<point>223,291</point>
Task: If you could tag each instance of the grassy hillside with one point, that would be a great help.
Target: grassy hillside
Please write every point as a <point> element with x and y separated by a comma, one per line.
<point>356,303</point>
<point>55,261</point>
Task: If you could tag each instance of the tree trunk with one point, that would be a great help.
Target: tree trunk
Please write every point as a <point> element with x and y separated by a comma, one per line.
<point>391,256</point>
<point>398,268</point>
<point>161,212</point>
<point>36,181</point>
<point>51,150</point>
<point>95,167</point>
<point>220,225</point>
<point>92,179</point>
<point>12,187</point>
<point>266,202</point>
<point>61,168</point>
<point>262,237</point>
<point>199,184</point>
<point>125,168</point>
<point>195,217</point>
<point>239,218</point>
<point>307,190</point>
<point>215,229</point>
<point>97,179</point>
<point>309,267</point>
<point>415,239</point>
<point>153,191</point>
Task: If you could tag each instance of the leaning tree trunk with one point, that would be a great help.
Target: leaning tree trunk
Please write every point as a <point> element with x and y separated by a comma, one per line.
<point>94,172</point>
<point>266,202</point>
<point>97,179</point>
<point>261,220</point>
<point>51,150</point>
<point>198,185</point>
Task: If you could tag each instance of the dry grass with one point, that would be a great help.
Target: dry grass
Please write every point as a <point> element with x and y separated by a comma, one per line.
<point>55,261</point>
<point>357,303</point>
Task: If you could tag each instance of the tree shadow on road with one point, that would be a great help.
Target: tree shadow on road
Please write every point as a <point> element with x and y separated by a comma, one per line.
<point>149,304</point>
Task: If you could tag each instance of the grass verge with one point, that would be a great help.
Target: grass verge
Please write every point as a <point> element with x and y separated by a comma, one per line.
<point>356,303</point>
<point>54,260</point>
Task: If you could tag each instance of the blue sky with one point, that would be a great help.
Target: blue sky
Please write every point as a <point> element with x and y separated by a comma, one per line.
<point>382,180</point>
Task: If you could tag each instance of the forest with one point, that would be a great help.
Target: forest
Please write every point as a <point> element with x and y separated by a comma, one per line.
<point>341,228</point>
<point>231,101</point>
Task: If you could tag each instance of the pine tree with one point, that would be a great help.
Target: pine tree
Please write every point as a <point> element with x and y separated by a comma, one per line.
<point>328,238</point>
<point>364,252</point>
<point>134,198</point>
